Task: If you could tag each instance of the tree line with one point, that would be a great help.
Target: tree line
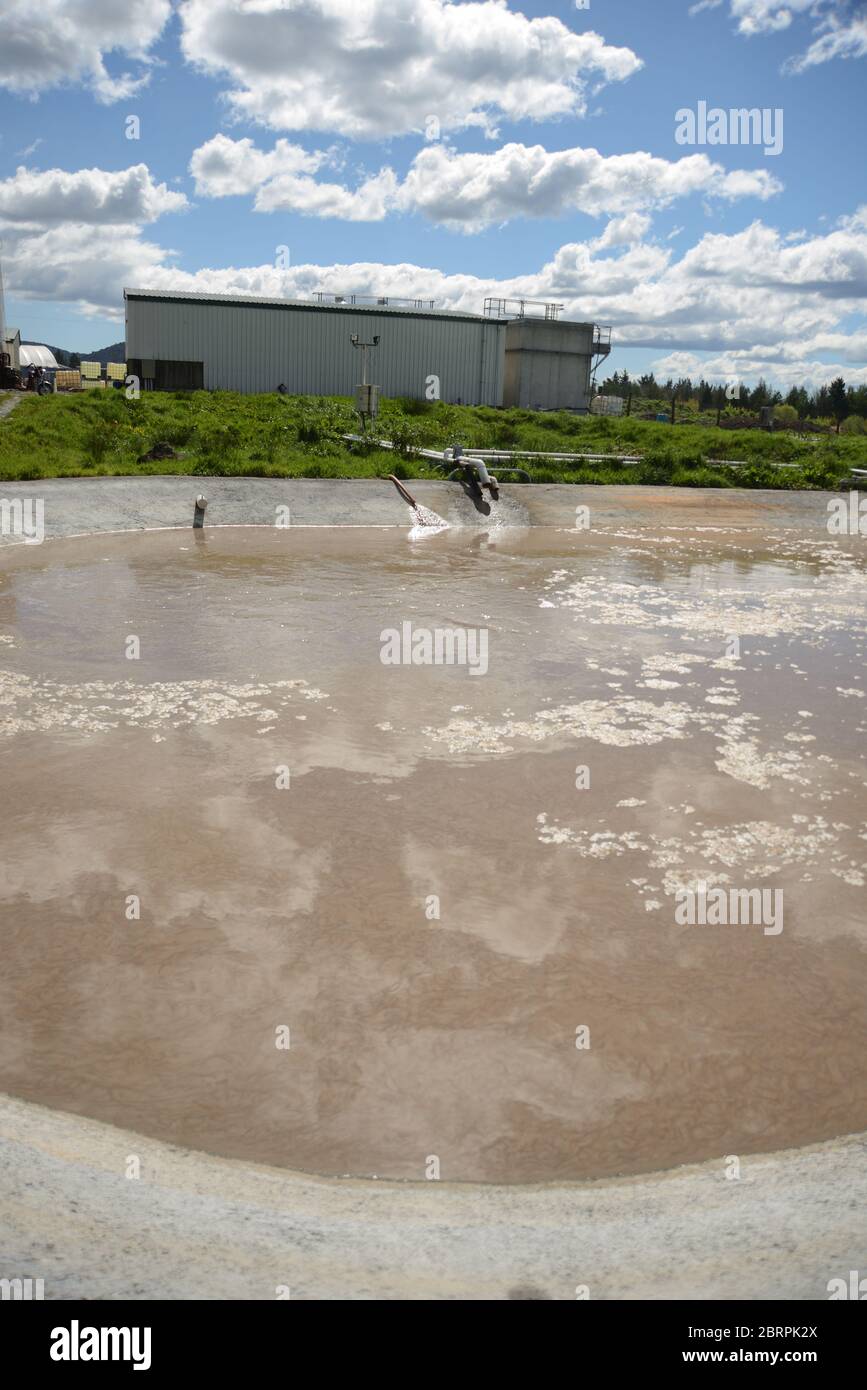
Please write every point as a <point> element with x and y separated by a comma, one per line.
<point>835,401</point>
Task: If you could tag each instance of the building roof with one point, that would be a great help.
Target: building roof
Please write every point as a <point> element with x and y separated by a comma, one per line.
<point>258,302</point>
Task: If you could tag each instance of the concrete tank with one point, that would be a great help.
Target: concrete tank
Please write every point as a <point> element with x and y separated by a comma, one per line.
<point>548,364</point>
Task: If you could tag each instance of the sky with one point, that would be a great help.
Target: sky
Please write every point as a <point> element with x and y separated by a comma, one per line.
<point>451,151</point>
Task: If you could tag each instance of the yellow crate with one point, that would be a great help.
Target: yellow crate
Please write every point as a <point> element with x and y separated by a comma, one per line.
<point>115,371</point>
<point>67,380</point>
<point>91,371</point>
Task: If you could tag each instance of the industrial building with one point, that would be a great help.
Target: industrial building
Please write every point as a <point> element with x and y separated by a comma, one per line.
<point>506,355</point>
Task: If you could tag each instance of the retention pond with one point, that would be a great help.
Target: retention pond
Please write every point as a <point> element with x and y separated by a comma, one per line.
<point>279,885</point>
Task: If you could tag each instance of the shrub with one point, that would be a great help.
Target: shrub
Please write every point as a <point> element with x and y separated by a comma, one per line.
<point>217,443</point>
<point>322,419</point>
<point>700,477</point>
<point>655,470</point>
<point>97,440</point>
<point>406,436</point>
<point>505,435</point>
<point>275,437</point>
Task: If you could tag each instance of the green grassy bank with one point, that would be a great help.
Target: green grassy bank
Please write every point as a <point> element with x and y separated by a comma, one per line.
<point>102,433</point>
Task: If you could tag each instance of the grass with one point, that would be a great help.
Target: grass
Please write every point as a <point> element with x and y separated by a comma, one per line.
<point>223,433</point>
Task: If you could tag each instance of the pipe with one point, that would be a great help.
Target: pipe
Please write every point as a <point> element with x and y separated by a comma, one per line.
<point>482,472</point>
<point>404,492</point>
<point>456,473</point>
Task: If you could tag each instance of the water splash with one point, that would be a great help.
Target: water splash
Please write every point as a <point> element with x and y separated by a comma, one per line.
<point>425,523</point>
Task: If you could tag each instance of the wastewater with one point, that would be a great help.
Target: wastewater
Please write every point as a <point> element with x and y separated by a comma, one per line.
<point>269,894</point>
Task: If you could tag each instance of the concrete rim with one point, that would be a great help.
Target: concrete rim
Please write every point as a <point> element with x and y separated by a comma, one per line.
<point>100,505</point>
<point>197,1226</point>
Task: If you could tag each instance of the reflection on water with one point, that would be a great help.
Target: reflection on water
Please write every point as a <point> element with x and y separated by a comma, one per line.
<point>436,881</point>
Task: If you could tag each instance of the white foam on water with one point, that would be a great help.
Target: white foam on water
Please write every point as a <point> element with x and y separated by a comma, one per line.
<point>426,523</point>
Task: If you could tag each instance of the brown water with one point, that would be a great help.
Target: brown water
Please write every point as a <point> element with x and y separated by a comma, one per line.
<point>308,907</point>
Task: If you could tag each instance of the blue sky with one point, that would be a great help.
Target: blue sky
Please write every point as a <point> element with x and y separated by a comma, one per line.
<point>733,263</point>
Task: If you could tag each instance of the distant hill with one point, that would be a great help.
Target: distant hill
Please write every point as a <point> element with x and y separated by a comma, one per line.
<point>115,353</point>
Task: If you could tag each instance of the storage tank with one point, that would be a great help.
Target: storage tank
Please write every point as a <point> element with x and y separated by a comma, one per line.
<point>549,363</point>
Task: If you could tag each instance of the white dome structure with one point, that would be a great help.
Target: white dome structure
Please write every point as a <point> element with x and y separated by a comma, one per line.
<point>36,355</point>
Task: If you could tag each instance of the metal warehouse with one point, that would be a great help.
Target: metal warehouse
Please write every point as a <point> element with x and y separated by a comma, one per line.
<point>238,343</point>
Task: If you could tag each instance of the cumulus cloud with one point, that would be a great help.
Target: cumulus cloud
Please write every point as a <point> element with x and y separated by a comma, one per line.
<point>95,196</point>
<point>833,266</point>
<point>76,236</point>
<point>369,202</point>
<point>468,192</point>
<point>281,180</point>
<point>72,265</point>
<point>374,68</point>
<point>625,231</point>
<point>55,43</point>
<point>222,166</point>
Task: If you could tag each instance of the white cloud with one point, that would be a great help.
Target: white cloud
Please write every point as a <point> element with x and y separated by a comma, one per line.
<point>767,16</point>
<point>280,179</point>
<point>749,366</point>
<point>625,231</point>
<point>370,202</point>
<point>222,166</point>
<point>833,266</point>
<point>96,196</point>
<point>837,40</point>
<point>54,43</point>
<point>76,236</point>
<point>75,266</point>
<point>374,68</point>
<point>468,192</point>
<point>840,32</point>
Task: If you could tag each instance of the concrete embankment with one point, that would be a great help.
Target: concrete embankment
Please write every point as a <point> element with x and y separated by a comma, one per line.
<point>81,506</point>
<point>193,1226</point>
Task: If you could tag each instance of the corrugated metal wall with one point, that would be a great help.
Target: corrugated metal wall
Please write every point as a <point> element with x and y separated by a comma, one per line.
<point>252,347</point>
